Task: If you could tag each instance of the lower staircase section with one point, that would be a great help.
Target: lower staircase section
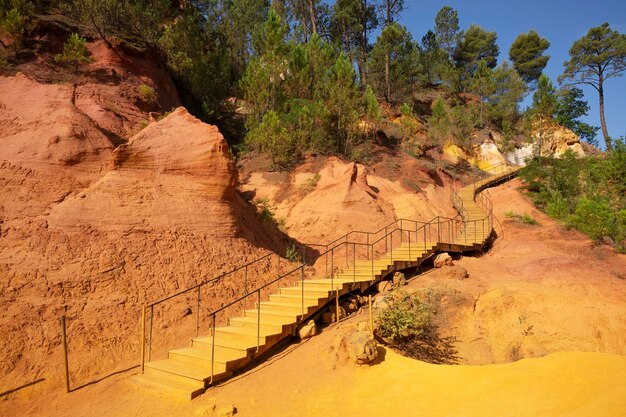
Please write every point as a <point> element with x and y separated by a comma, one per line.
<point>189,371</point>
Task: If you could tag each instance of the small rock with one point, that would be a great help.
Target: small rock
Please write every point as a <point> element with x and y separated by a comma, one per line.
<point>442,259</point>
<point>330,316</point>
<point>383,286</point>
<point>307,330</point>
<point>398,279</point>
<point>350,307</point>
<point>228,411</point>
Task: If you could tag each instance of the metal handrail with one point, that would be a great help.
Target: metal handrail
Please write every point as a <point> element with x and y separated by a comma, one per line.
<point>424,229</point>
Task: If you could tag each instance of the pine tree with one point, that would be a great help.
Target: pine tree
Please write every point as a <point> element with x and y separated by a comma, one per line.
<point>544,99</point>
<point>398,74</point>
<point>447,29</point>
<point>526,54</point>
<point>483,84</point>
<point>477,44</point>
<point>594,58</point>
<point>74,51</point>
<point>569,109</point>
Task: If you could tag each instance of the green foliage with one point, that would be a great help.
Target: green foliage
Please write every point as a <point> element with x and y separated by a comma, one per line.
<point>407,317</point>
<point>352,22</point>
<point>544,98</point>
<point>432,59</point>
<point>439,122</point>
<point>594,58</point>
<point>394,51</point>
<point>272,137</point>
<point>147,94</point>
<point>588,194</point>
<point>522,218</point>
<point>372,108</point>
<point>569,109</point>
<point>526,54</point>
<point>463,120</point>
<point>509,91</point>
<point>14,16</point>
<point>74,51</point>
<point>483,84</point>
<point>265,211</point>
<point>476,44</point>
<point>291,254</point>
<point>198,63</point>
<point>447,29</point>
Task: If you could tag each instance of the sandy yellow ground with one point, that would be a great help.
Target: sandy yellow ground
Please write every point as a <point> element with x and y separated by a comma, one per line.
<point>561,384</point>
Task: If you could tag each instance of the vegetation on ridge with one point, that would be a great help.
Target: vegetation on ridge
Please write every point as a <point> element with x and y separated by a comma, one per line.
<point>588,194</point>
<point>308,70</point>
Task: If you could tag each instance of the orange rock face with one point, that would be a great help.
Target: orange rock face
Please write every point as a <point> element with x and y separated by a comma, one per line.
<point>95,232</point>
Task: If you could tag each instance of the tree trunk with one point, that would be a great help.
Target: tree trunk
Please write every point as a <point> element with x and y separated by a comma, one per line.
<point>605,132</point>
<point>313,15</point>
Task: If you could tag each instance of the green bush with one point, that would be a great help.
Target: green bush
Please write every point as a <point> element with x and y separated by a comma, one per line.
<point>594,218</point>
<point>588,194</point>
<point>557,206</point>
<point>147,94</point>
<point>74,52</point>
<point>407,317</point>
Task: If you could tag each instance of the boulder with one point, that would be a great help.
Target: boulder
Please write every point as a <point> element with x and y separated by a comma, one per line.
<point>398,279</point>
<point>383,286</point>
<point>307,330</point>
<point>331,315</point>
<point>442,259</point>
<point>350,306</point>
<point>361,347</point>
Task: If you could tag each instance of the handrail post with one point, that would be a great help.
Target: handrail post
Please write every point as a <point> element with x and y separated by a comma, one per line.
<point>150,334</point>
<point>391,244</point>
<point>245,284</point>
<point>332,272</point>
<point>410,247</point>
<point>278,269</point>
<point>212,350</point>
<point>198,313</point>
<point>369,299</point>
<point>302,285</point>
<point>326,256</point>
<point>258,321</point>
<point>65,361</point>
<point>354,263</point>
<point>337,304</point>
<point>143,337</point>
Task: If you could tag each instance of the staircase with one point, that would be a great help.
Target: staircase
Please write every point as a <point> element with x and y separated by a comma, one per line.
<point>187,372</point>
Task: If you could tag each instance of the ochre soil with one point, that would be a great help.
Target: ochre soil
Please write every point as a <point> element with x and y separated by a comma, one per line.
<point>543,293</point>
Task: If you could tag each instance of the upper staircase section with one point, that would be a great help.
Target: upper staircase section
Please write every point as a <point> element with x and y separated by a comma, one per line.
<point>259,318</point>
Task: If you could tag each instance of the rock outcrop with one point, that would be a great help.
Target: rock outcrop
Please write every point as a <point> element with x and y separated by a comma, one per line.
<point>94,233</point>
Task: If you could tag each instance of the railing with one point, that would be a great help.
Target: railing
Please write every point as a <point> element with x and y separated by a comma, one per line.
<point>342,253</point>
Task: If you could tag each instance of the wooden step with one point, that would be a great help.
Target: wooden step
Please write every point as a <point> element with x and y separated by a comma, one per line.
<point>162,385</point>
<point>296,299</point>
<point>202,358</point>
<point>308,292</point>
<point>268,323</point>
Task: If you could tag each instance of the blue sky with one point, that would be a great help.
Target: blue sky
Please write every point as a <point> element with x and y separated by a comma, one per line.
<point>561,22</point>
